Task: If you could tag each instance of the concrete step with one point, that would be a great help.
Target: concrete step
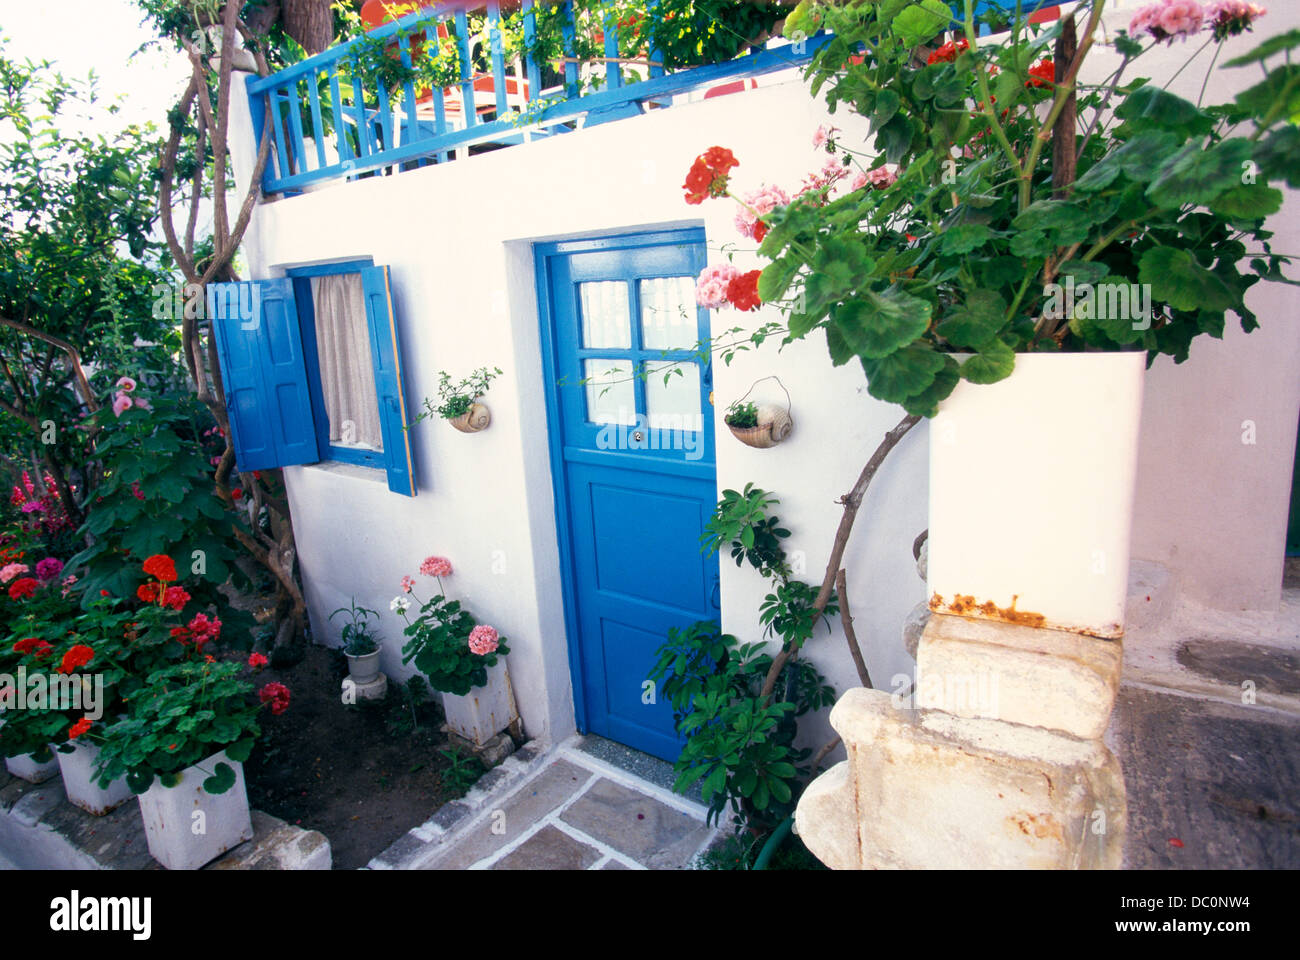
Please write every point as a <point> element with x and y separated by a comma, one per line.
<point>40,830</point>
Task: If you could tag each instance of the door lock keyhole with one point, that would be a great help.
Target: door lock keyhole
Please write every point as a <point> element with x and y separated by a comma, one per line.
<point>637,436</point>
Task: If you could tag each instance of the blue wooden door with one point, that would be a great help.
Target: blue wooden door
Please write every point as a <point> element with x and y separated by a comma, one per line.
<point>633,464</point>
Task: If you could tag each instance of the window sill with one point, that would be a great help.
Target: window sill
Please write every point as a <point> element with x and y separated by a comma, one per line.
<point>353,470</point>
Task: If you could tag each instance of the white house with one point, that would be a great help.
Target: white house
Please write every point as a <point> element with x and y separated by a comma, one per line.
<point>569,255</point>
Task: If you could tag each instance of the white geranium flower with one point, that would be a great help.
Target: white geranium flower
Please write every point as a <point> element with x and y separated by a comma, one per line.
<point>400,604</point>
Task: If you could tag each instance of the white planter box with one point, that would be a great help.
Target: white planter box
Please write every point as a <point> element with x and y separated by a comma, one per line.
<point>483,712</point>
<point>78,769</point>
<point>186,826</point>
<point>25,768</point>
<point>1031,493</point>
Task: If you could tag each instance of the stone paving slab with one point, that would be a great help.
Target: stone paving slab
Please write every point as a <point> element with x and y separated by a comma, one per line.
<point>639,826</point>
<point>550,849</point>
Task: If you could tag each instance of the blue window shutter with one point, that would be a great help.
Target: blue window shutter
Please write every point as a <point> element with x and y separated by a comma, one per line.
<point>399,458</point>
<point>265,378</point>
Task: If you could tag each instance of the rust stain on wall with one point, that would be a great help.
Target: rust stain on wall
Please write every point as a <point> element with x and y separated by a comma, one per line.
<point>964,605</point>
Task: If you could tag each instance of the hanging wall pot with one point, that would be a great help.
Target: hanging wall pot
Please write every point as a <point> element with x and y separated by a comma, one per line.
<point>476,418</point>
<point>763,425</point>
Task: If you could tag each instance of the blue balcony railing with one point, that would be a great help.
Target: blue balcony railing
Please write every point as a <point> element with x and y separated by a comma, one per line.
<point>332,118</point>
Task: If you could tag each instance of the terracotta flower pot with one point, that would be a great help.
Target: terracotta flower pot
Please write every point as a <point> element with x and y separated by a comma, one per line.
<point>476,418</point>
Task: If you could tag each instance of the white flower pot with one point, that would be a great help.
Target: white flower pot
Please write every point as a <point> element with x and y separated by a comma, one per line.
<point>188,827</point>
<point>26,768</point>
<point>1031,493</point>
<point>365,668</point>
<point>483,712</point>
<point>78,769</point>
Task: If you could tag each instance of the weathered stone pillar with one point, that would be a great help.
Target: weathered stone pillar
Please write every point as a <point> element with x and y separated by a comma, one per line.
<point>994,760</point>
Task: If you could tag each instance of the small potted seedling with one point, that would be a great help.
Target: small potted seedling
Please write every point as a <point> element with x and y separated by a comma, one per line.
<point>458,403</point>
<point>360,645</point>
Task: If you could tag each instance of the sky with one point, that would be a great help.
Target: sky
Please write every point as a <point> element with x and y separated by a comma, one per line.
<point>81,35</point>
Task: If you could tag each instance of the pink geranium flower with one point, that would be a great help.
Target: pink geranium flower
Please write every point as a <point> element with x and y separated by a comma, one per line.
<point>881,177</point>
<point>407,584</point>
<point>125,383</point>
<point>483,640</point>
<point>12,570</point>
<point>121,404</point>
<point>436,567</point>
<point>711,285</point>
<point>758,203</point>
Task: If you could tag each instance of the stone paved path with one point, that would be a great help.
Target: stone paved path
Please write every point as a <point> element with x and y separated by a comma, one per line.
<point>578,812</point>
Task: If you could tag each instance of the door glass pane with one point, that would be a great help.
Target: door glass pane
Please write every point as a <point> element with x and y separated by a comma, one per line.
<point>606,317</point>
<point>610,394</point>
<point>668,313</point>
<point>676,404</point>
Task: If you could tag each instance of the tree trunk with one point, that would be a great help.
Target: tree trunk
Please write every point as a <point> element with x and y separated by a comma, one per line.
<point>310,22</point>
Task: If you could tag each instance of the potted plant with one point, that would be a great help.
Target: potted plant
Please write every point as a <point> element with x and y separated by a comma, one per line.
<point>1013,248</point>
<point>360,645</point>
<point>188,723</point>
<point>458,402</point>
<point>460,657</point>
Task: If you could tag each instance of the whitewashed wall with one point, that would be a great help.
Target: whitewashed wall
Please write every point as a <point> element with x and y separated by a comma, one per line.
<point>458,239</point>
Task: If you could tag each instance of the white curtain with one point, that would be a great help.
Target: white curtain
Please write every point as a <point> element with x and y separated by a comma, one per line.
<point>346,373</point>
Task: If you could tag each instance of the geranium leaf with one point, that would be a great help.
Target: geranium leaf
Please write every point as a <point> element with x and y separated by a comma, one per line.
<point>1178,280</point>
<point>222,779</point>
<point>877,324</point>
<point>975,322</point>
<point>903,374</point>
<point>992,363</point>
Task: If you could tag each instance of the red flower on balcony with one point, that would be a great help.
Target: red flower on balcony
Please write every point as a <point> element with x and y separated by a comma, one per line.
<point>708,174</point>
<point>743,291</point>
<point>1042,74</point>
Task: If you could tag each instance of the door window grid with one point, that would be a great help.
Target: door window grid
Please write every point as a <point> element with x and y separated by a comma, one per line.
<point>667,329</point>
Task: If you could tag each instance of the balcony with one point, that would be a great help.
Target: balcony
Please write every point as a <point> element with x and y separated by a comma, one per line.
<point>351,111</point>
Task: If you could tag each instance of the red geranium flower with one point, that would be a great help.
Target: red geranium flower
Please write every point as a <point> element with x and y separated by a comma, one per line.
<point>742,291</point>
<point>1042,74</point>
<point>22,588</point>
<point>708,174</point>
<point>148,592</point>
<point>257,661</point>
<point>161,566</point>
<point>175,597</point>
<point>33,646</point>
<point>277,695</point>
<point>80,727</point>
<point>948,52</point>
<point>78,656</point>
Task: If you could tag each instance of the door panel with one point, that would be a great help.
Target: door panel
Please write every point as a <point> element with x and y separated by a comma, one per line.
<point>634,468</point>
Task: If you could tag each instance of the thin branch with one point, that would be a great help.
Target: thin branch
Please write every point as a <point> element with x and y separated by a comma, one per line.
<point>846,618</point>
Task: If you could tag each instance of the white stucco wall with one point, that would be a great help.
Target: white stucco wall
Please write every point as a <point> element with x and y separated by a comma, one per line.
<point>458,238</point>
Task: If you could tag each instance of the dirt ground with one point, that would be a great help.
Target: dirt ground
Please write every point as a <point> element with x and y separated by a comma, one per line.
<point>359,774</point>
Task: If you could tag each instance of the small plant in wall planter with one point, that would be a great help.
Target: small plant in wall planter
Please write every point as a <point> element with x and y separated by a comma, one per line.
<point>360,645</point>
<point>458,402</point>
<point>759,426</point>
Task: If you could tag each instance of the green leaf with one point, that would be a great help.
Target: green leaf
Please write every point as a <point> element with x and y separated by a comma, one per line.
<point>964,238</point>
<point>1196,175</point>
<point>1280,86</point>
<point>926,403</point>
<point>775,279</point>
<point>240,750</point>
<point>975,322</point>
<point>918,22</point>
<point>221,780</point>
<point>994,362</point>
<point>1178,280</point>
<point>1252,201</point>
<point>1083,271</point>
<point>1064,221</point>
<point>877,324</point>
<point>1276,155</point>
<point>1283,41</point>
<point>1152,106</point>
<point>903,374</point>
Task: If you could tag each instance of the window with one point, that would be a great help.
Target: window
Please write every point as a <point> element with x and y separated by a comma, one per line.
<point>314,373</point>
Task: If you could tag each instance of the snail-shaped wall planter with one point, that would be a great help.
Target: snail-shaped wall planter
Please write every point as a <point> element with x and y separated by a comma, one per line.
<point>773,423</point>
<point>476,418</point>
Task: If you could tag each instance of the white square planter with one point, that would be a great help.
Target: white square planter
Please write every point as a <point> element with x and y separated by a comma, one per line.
<point>483,712</point>
<point>1031,493</point>
<point>83,790</point>
<point>26,768</point>
<point>188,827</point>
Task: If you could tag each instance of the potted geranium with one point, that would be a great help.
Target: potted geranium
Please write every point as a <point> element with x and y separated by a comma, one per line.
<point>458,402</point>
<point>460,657</point>
<point>187,730</point>
<point>1006,252</point>
<point>360,645</point>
